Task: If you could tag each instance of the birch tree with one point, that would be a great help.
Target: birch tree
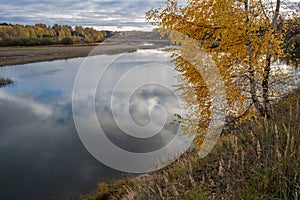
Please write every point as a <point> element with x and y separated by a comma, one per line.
<point>243,38</point>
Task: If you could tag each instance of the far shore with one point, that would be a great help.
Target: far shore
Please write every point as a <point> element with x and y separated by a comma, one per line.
<point>24,55</point>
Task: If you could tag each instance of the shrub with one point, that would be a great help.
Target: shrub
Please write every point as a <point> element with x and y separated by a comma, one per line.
<point>67,41</point>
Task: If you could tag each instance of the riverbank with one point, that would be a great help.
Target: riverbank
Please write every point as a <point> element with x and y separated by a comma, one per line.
<point>257,161</point>
<point>23,55</point>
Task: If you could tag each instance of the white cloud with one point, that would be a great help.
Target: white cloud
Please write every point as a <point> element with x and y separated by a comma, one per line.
<point>115,14</point>
<point>37,108</point>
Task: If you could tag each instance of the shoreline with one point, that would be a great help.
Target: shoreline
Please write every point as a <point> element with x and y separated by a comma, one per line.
<point>31,54</point>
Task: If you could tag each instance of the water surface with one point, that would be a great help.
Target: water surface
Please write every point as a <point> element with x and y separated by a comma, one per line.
<point>41,154</point>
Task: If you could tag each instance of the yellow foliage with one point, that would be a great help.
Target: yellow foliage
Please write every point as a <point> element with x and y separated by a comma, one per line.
<point>241,37</point>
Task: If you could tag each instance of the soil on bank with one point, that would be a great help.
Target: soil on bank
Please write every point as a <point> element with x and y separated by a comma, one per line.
<point>125,42</point>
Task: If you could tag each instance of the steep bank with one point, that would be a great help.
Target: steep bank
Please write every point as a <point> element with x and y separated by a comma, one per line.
<point>257,161</point>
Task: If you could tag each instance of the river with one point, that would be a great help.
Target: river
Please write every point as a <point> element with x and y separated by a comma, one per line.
<point>42,155</point>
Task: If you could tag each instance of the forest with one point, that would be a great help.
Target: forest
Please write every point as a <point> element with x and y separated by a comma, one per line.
<point>41,34</point>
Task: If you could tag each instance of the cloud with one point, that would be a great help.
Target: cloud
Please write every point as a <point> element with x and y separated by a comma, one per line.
<point>37,108</point>
<point>102,14</point>
<point>39,146</point>
<point>118,14</point>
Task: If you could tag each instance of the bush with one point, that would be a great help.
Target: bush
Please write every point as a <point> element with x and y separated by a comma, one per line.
<point>4,82</point>
<point>67,41</point>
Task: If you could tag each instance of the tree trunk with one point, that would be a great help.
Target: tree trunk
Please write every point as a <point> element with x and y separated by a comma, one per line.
<point>251,71</point>
<point>265,87</point>
<point>267,69</point>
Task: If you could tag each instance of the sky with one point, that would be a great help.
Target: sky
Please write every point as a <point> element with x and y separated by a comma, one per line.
<point>101,14</point>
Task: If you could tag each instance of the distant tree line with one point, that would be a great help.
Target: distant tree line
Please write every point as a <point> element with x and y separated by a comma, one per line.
<point>41,34</point>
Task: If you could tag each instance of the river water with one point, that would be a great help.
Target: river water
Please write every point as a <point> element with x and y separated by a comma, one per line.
<point>41,153</point>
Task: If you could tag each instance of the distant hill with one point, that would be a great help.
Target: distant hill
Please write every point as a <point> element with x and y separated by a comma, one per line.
<point>138,38</point>
<point>138,35</point>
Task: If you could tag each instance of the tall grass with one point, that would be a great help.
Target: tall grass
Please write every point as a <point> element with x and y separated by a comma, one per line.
<point>260,160</point>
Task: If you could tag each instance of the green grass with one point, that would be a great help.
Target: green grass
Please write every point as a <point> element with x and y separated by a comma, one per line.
<point>260,160</point>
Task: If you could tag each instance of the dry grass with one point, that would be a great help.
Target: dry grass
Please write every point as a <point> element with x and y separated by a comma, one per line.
<point>257,161</point>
